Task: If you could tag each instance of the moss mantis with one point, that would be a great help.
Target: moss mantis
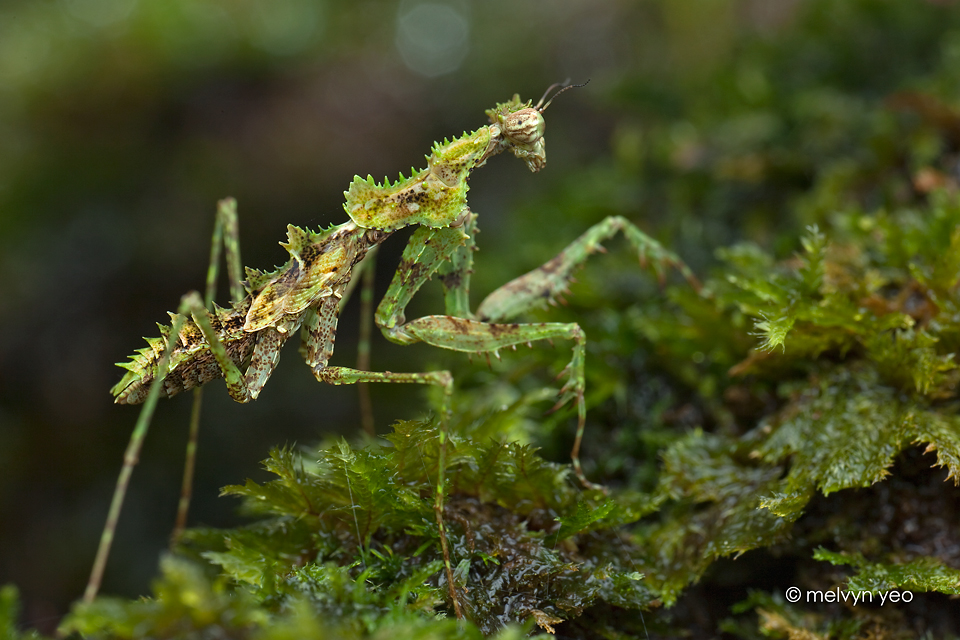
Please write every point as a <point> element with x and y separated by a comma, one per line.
<point>241,344</point>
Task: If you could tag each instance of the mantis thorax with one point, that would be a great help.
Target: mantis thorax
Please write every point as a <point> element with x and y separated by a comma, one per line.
<point>437,196</point>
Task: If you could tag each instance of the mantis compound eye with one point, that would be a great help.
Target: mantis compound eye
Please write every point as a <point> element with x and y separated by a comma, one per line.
<point>524,127</point>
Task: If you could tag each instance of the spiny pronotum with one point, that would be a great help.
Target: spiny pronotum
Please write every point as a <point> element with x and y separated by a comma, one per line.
<point>241,343</point>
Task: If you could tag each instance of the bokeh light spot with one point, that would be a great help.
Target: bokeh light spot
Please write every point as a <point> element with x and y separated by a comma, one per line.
<point>432,37</point>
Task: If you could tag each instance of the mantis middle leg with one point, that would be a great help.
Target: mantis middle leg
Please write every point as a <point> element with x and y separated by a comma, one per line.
<point>545,283</point>
<point>317,349</point>
<point>430,250</point>
<point>448,250</point>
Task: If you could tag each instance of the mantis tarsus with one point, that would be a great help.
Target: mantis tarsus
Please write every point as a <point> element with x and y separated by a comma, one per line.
<point>241,344</point>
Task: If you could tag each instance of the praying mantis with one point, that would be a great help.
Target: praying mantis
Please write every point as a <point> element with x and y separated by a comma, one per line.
<point>241,343</point>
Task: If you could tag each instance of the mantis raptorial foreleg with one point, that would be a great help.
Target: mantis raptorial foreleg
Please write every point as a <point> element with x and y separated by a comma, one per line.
<point>430,250</point>
<point>241,343</point>
<point>427,250</point>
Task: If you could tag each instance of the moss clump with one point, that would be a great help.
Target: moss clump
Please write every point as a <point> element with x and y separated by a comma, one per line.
<point>792,424</point>
<point>350,537</point>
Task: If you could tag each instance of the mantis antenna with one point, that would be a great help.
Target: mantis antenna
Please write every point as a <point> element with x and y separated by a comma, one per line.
<point>241,343</point>
<point>554,86</point>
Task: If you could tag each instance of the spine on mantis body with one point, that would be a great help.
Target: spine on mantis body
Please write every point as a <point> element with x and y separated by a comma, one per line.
<point>191,363</point>
<point>434,197</point>
<point>437,196</point>
<point>320,263</point>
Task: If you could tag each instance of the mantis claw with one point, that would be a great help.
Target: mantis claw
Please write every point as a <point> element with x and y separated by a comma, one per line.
<point>241,343</point>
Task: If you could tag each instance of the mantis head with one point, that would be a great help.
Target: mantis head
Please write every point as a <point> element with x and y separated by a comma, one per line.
<point>522,126</point>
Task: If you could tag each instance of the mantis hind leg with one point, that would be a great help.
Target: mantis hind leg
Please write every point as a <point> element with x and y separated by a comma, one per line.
<point>130,458</point>
<point>226,236</point>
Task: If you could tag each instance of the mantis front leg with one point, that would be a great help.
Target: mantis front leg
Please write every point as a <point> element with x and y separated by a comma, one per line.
<point>450,251</point>
<point>427,251</point>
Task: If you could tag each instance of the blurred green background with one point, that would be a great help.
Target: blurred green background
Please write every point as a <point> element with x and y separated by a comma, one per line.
<point>122,122</point>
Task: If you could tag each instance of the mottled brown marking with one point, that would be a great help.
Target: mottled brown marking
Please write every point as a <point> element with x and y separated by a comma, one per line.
<point>192,362</point>
<point>459,324</point>
<point>553,265</point>
<point>452,280</point>
<point>496,330</point>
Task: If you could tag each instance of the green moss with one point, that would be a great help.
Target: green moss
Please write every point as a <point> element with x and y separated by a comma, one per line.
<point>326,602</point>
<point>9,612</point>
<point>922,574</point>
<point>349,535</point>
<point>738,429</point>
